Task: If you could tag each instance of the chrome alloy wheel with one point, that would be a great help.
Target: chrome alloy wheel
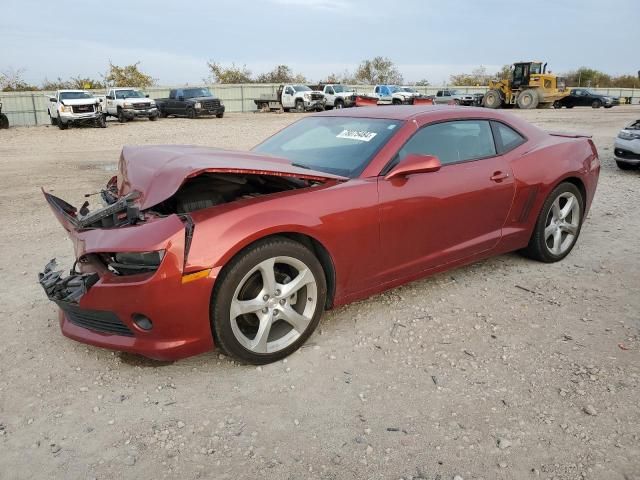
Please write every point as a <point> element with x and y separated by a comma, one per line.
<point>273,304</point>
<point>563,221</point>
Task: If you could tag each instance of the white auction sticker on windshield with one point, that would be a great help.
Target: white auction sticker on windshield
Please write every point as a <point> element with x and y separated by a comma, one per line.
<point>357,135</point>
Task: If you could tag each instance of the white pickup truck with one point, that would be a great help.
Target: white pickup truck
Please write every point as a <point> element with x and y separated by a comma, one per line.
<point>68,107</point>
<point>297,97</point>
<point>127,103</point>
<point>338,96</point>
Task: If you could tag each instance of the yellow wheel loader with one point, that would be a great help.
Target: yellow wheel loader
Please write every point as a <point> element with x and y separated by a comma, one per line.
<point>530,86</point>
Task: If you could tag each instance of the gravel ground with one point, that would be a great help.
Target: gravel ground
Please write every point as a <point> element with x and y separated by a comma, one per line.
<point>506,369</point>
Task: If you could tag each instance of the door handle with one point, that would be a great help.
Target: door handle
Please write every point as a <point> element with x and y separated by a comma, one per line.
<point>499,176</point>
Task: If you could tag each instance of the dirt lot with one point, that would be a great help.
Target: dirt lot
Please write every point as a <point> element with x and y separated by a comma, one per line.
<point>507,369</point>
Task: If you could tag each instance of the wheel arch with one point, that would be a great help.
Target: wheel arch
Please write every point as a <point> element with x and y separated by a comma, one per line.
<point>579,184</point>
<point>316,246</point>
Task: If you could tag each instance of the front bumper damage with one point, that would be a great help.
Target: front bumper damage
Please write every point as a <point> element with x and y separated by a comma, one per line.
<point>101,307</point>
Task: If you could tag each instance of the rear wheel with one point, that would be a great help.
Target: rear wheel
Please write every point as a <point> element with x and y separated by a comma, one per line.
<point>268,301</point>
<point>558,225</point>
<point>528,100</point>
<point>596,104</point>
<point>492,99</point>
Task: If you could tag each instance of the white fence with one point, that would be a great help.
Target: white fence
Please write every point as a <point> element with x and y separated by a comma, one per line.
<point>30,108</point>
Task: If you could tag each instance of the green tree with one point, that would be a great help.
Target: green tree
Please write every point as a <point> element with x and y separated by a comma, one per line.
<point>587,77</point>
<point>281,74</point>
<point>504,73</point>
<point>477,77</point>
<point>80,83</point>
<point>232,74</point>
<point>379,70</point>
<point>128,76</point>
<point>422,83</point>
<point>12,80</point>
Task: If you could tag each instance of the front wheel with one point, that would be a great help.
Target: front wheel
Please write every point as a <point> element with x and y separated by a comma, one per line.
<point>268,301</point>
<point>557,104</point>
<point>191,113</point>
<point>558,225</point>
<point>596,104</point>
<point>61,124</point>
<point>492,99</point>
<point>4,121</point>
<point>219,115</point>
<point>53,121</point>
<point>299,106</point>
<point>153,118</point>
<point>121,117</point>
<point>624,165</point>
<point>101,121</point>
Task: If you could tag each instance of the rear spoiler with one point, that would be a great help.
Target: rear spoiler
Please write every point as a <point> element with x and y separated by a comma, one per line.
<point>569,135</point>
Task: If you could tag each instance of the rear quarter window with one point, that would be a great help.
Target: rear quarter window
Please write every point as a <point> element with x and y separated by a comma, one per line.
<point>506,137</point>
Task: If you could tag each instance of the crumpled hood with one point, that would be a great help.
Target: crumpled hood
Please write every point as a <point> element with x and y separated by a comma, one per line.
<point>158,171</point>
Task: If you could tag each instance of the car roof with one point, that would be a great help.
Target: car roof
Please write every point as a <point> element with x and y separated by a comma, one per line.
<point>408,112</point>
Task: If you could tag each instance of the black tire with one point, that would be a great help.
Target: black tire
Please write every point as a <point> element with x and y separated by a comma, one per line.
<point>569,106</point>
<point>121,117</point>
<point>54,121</point>
<point>153,118</point>
<point>624,165</point>
<point>101,121</point>
<point>62,125</point>
<point>229,281</point>
<point>4,121</point>
<point>538,248</point>
<point>492,99</point>
<point>395,101</point>
<point>220,115</point>
<point>608,106</point>
<point>191,113</point>
<point>299,106</point>
<point>162,114</point>
<point>557,104</point>
<point>528,100</point>
<point>339,104</point>
<point>596,104</point>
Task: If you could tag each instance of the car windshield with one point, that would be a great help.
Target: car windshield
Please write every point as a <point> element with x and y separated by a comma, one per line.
<point>339,145</point>
<point>341,88</point>
<point>75,95</point>
<point>408,89</point>
<point>129,94</point>
<point>301,88</point>
<point>196,92</point>
<point>535,68</point>
<point>394,89</point>
<point>454,92</point>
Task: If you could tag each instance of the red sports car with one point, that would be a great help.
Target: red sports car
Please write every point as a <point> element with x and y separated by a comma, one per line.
<point>197,247</point>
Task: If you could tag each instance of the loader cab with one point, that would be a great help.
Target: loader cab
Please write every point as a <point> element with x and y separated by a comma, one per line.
<point>522,73</point>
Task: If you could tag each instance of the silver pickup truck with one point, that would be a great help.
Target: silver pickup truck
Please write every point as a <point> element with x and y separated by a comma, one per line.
<point>459,98</point>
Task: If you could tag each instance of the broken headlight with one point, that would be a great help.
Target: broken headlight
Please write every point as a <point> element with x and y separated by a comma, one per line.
<point>625,135</point>
<point>130,263</point>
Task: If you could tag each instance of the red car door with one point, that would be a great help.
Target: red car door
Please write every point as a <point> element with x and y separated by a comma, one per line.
<point>430,219</point>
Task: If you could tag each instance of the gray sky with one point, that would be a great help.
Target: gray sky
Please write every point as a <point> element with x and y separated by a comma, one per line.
<point>426,39</point>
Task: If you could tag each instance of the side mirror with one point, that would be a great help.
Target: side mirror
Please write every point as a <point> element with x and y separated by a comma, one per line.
<point>100,100</point>
<point>108,97</point>
<point>414,163</point>
<point>146,96</point>
<point>52,99</point>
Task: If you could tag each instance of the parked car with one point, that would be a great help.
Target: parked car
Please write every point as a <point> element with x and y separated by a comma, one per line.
<point>583,97</point>
<point>201,246</point>
<point>71,107</point>
<point>190,102</point>
<point>626,149</point>
<point>337,96</point>
<point>4,120</point>
<point>300,98</point>
<point>457,97</point>
<point>129,103</point>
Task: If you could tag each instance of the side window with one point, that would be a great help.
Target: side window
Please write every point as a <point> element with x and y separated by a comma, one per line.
<point>377,90</point>
<point>446,93</point>
<point>506,137</point>
<point>439,93</point>
<point>452,142</point>
<point>330,90</point>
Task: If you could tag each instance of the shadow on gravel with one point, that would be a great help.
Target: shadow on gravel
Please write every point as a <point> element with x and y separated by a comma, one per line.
<point>140,361</point>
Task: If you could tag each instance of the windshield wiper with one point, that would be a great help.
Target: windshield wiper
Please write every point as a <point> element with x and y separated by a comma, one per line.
<point>300,165</point>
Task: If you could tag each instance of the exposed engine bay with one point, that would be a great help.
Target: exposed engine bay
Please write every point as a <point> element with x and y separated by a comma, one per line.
<point>210,189</point>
